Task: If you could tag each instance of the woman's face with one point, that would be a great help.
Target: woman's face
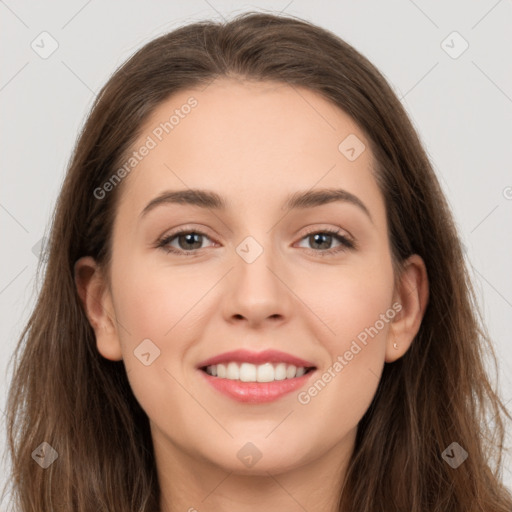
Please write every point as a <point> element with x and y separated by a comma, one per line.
<point>260,277</point>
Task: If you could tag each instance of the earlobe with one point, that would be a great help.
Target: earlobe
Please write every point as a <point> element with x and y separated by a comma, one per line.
<point>412,293</point>
<point>97,303</point>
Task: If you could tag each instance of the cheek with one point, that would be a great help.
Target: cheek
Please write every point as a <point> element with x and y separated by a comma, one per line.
<point>350,300</point>
<point>358,309</point>
<point>156,309</point>
<point>163,305</point>
<point>155,302</point>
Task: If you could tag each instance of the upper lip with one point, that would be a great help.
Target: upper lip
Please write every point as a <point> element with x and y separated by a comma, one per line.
<point>246,356</point>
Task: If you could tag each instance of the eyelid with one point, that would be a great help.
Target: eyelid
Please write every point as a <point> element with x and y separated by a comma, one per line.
<point>197,228</point>
<point>328,229</point>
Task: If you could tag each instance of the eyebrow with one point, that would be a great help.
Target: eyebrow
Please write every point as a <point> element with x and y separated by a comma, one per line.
<point>298,200</point>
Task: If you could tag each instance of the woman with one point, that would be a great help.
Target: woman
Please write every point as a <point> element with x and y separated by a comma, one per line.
<point>255,369</point>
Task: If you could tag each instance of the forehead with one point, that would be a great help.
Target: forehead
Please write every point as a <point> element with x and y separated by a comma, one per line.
<point>249,141</point>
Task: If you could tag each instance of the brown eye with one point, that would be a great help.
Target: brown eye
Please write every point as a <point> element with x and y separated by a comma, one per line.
<point>321,240</point>
<point>188,242</point>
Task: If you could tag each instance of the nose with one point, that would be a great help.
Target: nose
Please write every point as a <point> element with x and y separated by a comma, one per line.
<point>257,292</point>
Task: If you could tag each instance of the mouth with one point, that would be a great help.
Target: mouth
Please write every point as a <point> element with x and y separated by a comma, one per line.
<point>256,377</point>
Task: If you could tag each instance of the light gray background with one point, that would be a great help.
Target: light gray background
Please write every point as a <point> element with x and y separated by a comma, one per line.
<point>462,108</point>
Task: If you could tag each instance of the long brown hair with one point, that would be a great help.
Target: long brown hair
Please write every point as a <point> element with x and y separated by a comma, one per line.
<point>64,393</point>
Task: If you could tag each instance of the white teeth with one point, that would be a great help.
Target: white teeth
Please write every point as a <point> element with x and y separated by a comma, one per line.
<point>280,371</point>
<point>221,370</point>
<point>247,372</point>
<point>300,372</point>
<point>232,371</point>
<point>264,373</point>
<point>291,370</point>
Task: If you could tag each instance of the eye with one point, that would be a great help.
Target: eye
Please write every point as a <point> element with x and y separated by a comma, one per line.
<point>324,238</point>
<point>188,242</point>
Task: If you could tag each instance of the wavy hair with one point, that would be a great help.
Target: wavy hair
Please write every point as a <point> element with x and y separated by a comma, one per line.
<point>64,393</point>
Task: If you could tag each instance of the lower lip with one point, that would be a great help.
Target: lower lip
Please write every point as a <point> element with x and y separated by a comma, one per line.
<point>256,392</point>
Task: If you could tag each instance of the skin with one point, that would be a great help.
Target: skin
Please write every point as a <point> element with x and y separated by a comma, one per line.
<point>254,143</point>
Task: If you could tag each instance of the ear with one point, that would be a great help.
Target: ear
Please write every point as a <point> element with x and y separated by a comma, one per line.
<point>97,302</point>
<point>412,294</point>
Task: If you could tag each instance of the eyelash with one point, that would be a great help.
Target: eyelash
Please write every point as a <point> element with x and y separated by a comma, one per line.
<point>346,244</point>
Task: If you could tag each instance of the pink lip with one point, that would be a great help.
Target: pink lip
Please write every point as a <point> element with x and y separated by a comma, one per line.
<point>245,356</point>
<point>256,392</point>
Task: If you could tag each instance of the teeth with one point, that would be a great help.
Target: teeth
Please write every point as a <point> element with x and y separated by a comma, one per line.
<point>247,372</point>
<point>291,371</point>
<point>232,372</point>
<point>280,371</point>
<point>221,370</point>
<point>265,373</point>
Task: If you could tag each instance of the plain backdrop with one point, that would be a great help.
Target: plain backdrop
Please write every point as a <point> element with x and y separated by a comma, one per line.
<point>456,87</point>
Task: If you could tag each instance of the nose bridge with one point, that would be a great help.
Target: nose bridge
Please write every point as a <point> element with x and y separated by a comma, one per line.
<point>255,258</point>
<point>255,290</point>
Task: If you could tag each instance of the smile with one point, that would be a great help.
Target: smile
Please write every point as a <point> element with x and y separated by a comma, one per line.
<point>256,377</point>
<point>247,372</point>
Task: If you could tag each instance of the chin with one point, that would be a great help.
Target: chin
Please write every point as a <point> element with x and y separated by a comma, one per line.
<point>259,457</point>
